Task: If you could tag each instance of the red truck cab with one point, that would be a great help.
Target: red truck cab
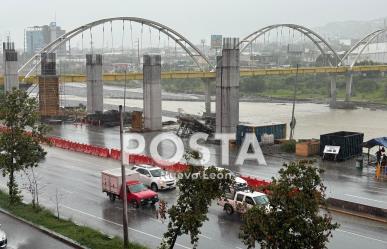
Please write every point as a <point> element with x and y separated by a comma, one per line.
<point>138,194</point>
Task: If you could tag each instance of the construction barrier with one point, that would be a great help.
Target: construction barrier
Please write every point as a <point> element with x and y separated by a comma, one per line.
<point>257,184</point>
<point>143,159</point>
<point>381,172</point>
<point>115,154</point>
<point>79,147</point>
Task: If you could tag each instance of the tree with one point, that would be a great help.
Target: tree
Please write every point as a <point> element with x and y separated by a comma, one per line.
<point>293,219</point>
<point>198,187</point>
<point>57,200</point>
<point>253,85</point>
<point>20,141</point>
<point>32,185</point>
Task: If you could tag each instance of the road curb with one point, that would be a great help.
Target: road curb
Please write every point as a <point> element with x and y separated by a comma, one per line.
<point>357,209</point>
<point>356,214</point>
<point>46,231</point>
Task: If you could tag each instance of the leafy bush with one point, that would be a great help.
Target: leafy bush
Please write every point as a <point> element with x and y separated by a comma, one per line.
<point>289,146</point>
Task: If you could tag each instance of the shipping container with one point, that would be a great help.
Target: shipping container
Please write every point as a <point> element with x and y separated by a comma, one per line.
<point>350,143</point>
<point>277,129</point>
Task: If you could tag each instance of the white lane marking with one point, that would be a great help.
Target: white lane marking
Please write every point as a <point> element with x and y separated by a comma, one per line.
<point>362,236</point>
<point>117,224</point>
<point>201,235</point>
<point>360,197</point>
<point>67,191</point>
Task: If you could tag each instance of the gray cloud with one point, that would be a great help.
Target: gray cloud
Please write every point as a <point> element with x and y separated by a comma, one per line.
<point>195,19</point>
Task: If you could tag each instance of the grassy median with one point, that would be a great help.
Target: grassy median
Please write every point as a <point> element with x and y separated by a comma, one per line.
<point>83,235</point>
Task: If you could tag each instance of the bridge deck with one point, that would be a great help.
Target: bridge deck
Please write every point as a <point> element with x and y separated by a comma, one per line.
<point>200,74</point>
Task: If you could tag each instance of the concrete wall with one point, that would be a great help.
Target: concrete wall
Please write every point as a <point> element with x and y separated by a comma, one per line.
<point>227,87</point>
<point>94,83</point>
<point>152,92</point>
<point>10,64</point>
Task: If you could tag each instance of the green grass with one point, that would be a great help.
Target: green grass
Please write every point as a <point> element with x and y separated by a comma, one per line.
<point>83,235</point>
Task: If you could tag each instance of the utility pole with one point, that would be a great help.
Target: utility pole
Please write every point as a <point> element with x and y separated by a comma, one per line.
<point>125,90</point>
<point>124,194</point>
<point>293,121</point>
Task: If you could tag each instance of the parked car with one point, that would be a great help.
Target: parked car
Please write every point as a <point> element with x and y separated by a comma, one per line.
<point>137,193</point>
<point>155,178</point>
<point>240,184</point>
<point>3,239</point>
<point>241,201</point>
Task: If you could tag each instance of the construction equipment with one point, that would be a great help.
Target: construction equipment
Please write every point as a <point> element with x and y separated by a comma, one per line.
<point>189,125</point>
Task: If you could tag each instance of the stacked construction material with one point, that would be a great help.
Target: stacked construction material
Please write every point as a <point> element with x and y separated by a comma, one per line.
<point>309,148</point>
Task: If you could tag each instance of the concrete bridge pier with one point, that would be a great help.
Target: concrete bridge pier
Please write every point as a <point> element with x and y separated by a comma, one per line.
<point>152,92</point>
<point>48,87</point>
<point>227,87</point>
<point>94,83</point>
<point>10,64</point>
<point>348,88</point>
<point>333,100</point>
<point>207,95</point>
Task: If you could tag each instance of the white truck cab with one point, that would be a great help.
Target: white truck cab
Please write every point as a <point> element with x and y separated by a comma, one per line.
<point>241,201</point>
<point>240,183</point>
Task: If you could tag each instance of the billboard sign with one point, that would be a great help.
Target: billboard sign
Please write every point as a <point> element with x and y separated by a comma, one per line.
<point>216,41</point>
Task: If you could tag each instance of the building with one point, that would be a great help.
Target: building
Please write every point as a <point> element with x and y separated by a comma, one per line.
<point>37,37</point>
<point>375,52</point>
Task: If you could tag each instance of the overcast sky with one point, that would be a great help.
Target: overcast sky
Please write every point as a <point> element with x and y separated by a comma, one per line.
<point>195,19</point>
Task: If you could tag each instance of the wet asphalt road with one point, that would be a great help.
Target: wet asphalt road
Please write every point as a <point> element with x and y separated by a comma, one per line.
<point>344,180</point>
<point>77,178</point>
<point>22,236</point>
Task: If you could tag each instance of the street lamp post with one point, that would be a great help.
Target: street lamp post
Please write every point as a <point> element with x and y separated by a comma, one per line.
<point>124,192</point>
<point>125,91</point>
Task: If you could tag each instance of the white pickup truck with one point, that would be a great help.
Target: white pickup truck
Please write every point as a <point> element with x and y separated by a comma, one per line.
<point>241,201</point>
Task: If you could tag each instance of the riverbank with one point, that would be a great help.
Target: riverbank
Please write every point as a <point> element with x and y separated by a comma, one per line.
<point>134,92</point>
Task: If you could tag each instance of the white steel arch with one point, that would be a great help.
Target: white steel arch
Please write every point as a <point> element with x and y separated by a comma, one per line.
<point>365,42</point>
<point>183,42</point>
<point>313,36</point>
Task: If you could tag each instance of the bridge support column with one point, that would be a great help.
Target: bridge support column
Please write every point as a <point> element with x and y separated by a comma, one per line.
<point>152,92</point>
<point>348,88</point>
<point>227,87</point>
<point>207,96</point>
<point>11,77</point>
<point>333,100</point>
<point>94,83</point>
<point>48,87</point>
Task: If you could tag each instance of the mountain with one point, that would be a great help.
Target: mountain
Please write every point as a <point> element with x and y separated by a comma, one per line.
<point>350,29</point>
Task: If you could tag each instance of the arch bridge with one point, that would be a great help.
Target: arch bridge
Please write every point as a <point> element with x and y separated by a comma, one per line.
<point>195,53</point>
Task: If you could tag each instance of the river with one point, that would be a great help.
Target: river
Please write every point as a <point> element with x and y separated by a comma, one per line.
<point>312,119</point>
